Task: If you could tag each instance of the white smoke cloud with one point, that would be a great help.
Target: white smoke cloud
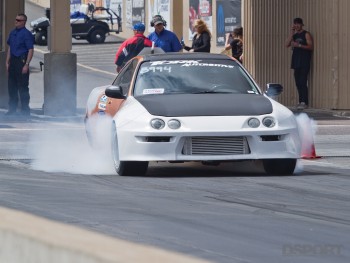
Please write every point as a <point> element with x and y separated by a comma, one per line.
<point>68,150</point>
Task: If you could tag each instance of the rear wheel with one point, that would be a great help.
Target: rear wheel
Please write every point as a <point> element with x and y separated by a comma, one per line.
<point>41,38</point>
<point>126,168</point>
<point>279,166</point>
<point>97,36</point>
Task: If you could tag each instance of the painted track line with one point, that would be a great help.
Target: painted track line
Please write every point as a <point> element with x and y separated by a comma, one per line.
<point>82,65</point>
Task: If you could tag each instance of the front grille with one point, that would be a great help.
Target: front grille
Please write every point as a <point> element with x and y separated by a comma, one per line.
<point>215,146</point>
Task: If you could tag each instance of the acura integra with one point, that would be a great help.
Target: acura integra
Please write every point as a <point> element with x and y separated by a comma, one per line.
<point>193,107</point>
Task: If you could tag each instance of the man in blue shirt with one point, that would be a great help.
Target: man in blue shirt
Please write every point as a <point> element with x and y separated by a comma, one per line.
<point>19,55</point>
<point>163,38</point>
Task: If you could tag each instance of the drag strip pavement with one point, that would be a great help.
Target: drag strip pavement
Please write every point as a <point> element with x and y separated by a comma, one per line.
<point>224,214</point>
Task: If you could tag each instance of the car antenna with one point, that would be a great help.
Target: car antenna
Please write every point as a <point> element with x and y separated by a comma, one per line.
<point>152,50</point>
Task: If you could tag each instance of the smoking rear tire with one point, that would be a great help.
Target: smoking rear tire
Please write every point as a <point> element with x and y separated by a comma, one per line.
<point>97,36</point>
<point>41,38</point>
<point>126,168</point>
<point>279,166</point>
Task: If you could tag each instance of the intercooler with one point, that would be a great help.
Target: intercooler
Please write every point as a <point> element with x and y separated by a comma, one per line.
<point>215,146</point>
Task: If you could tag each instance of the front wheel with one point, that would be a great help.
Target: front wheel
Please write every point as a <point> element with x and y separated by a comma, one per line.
<point>126,168</point>
<point>131,168</point>
<point>279,166</point>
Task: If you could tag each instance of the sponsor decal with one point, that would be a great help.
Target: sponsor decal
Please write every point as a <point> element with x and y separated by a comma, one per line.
<point>104,99</point>
<point>102,106</point>
<point>183,63</point>
<point>207,65</point>
<point>173,62</point>
<point>153,91</point>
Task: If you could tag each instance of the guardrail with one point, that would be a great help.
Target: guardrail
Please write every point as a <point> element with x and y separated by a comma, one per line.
<point>28,238</point>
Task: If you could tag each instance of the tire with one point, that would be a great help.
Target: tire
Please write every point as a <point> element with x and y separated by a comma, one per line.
<point>131,168</point>
<point>279,166</point>
<point>41,38</point>
<point>97,36</point>
<point>126,168</point>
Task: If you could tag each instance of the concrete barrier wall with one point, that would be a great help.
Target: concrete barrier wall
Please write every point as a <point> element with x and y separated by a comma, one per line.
<point>29,239</point>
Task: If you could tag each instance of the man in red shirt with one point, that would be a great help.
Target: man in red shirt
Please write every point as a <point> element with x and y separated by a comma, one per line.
<point>132,46</point>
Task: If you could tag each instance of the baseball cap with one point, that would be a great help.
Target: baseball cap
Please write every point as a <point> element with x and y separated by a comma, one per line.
<point>298,20</point>
<point>139,27</point>
<point>158,20</point>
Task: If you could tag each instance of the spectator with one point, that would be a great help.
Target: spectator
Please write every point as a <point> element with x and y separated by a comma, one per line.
<point>235,42</point>
<point>201,40</point>
<point>19,55</point>
<point>132,46</point>
<point>163,38</point>
<point>302,45</point>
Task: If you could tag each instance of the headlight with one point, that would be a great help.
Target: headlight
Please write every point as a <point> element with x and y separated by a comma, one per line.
<point>157,124</point>
<point>269,122</point>
<point>174,124</point>
<point>253,123</point>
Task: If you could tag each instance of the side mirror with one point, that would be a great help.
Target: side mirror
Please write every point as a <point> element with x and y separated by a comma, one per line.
<point>273,89</point>
<point>114,92</point>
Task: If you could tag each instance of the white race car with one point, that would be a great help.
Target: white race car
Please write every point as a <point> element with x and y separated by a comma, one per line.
<point>181,107</point>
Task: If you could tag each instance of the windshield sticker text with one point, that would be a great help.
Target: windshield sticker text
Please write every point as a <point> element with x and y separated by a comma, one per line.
<point>190,63</point>
<point>153,91</point>
<point>155,69</point>
<point>173,62</point>
<point>207,65</point>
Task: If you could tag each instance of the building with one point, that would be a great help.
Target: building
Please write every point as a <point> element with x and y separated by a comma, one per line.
<point>266,26</point>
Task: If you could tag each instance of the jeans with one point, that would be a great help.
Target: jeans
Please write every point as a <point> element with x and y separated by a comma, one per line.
<point>300,76</point>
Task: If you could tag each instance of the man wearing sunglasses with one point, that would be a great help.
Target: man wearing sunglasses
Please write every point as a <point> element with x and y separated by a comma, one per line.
<point>19,55</point>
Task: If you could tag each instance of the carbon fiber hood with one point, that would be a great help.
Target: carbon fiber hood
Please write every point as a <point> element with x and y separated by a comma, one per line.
<point>176,105</point>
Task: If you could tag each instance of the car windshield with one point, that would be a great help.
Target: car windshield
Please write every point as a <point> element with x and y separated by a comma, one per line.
<point>192,76</point>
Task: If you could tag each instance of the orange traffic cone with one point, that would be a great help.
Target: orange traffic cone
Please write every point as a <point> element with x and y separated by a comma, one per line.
<point>309,152</point>
<point>307,147</point>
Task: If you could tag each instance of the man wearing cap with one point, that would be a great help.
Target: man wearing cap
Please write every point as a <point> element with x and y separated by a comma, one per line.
<point>132,46</point>
<point>302,45</point>
<point>163,38</point>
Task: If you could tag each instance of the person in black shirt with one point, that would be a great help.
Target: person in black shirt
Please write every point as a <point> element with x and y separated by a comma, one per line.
<point>235,42</point>
<point>201,40</point>
<point>302,45</point>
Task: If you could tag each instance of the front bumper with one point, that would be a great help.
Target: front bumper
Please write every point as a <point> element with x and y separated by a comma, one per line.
<point>206,146</point>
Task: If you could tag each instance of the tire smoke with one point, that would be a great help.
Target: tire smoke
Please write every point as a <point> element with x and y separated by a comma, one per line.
<point>67,149</point>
